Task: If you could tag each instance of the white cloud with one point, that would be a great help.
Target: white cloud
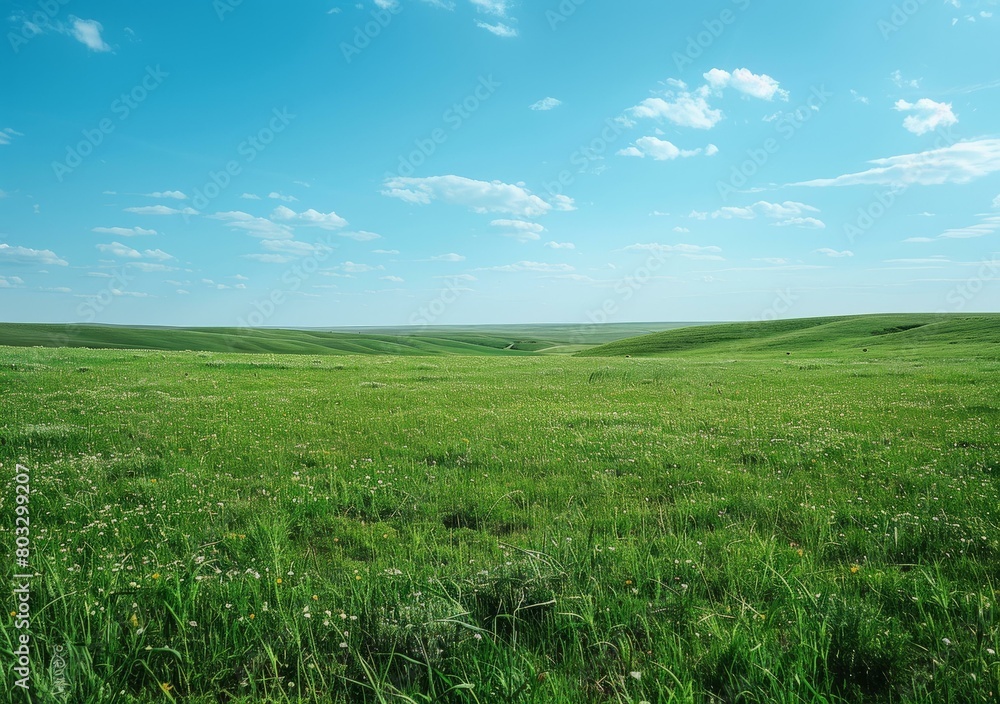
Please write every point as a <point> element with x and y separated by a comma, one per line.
<point>534,267</point>
<point>393,279</point>
<point>6,133</point>
<point>688,251</point>
<point>986,226</point>
<point>560,245</point>
<point>745,81</point>
<point>360,235</point>
<point>160,210</point>
<point>255,227</point>
<point>996,202</point>
<point>385,251</point>
<point>25,255</point>
<point>357,268</point>
<point>492,7</point>
<point>520,229</point>
<point>958,163</point>
<point>274,195</point>
<point>270,258</point>
<point>176,195</point>
<point>124,231</point>
<point>683,109</point>
<point>250,196</point>
<point>834,253</point>
<point>928,115</point>
<point>500,29</point>
<point>807,223</point>
<point>314,218</point>
<point>294,247</point>
<point>450,257</point>
<point>88,33</point>
<point>479,196</point>
<point>546,104</point>
<point>660,150</point>
<point>787,214</point>
<point>11,281</point>
<point>897,78</point>
<point>117,249</point>
<point>149,266</point>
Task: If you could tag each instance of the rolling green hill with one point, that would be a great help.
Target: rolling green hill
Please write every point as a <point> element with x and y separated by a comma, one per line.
<point>442,340</point>
<point>895,334</point>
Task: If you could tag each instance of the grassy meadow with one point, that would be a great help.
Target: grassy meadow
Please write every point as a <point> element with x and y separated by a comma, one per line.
<point>760,513</point>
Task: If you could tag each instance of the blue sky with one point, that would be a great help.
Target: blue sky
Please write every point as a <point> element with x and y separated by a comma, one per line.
<point>392,162</point>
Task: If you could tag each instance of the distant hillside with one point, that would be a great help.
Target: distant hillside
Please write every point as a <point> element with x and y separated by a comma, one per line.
<point>484,340</point>
<point>871,334</point>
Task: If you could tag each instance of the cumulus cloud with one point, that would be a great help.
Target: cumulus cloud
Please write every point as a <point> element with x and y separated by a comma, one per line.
<point>492,7</point>
<point>313,218</point>
<point>25,255</point>
<point>11,281</point>
<point>560,245</point>
<point>927,115</point>
<point>958,163</point>
<point>690,108</point>
<point>546,104</point>
<point>117,249</point>
<point>176,195</point>
<point>834,253</point>
<point>520,229</point>
<point>450,257</point>
<point>499,28</point>
<point>662,150</point>
<point>682,109</point>
<point>787,214</point>
<point>478,196</point>
<point>254,226</point>
<point>88,33</point>
<point>6,133</point>
<point>160,210</point>
<point>745,81</point>
<point>294,248</point>
<point>124,231</point>
<point>274,195</point>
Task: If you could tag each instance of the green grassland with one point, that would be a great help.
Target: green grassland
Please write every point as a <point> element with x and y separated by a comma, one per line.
<point>759,513</point>
<point>505,340</point>
<point>880,335</point>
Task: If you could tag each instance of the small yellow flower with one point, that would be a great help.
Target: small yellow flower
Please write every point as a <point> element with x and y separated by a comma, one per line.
<point>152,481</point>
<point>156,575</point>
<point>279,580</point>
<point>134,620</point>
<point>800,552</point>
<point>315,598</point>
<point>166,687</point>
<point>242,536</point>
<point>252,617</point>
<point>855,569</point>
<point>357,576</point>
<point>628,582</point>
